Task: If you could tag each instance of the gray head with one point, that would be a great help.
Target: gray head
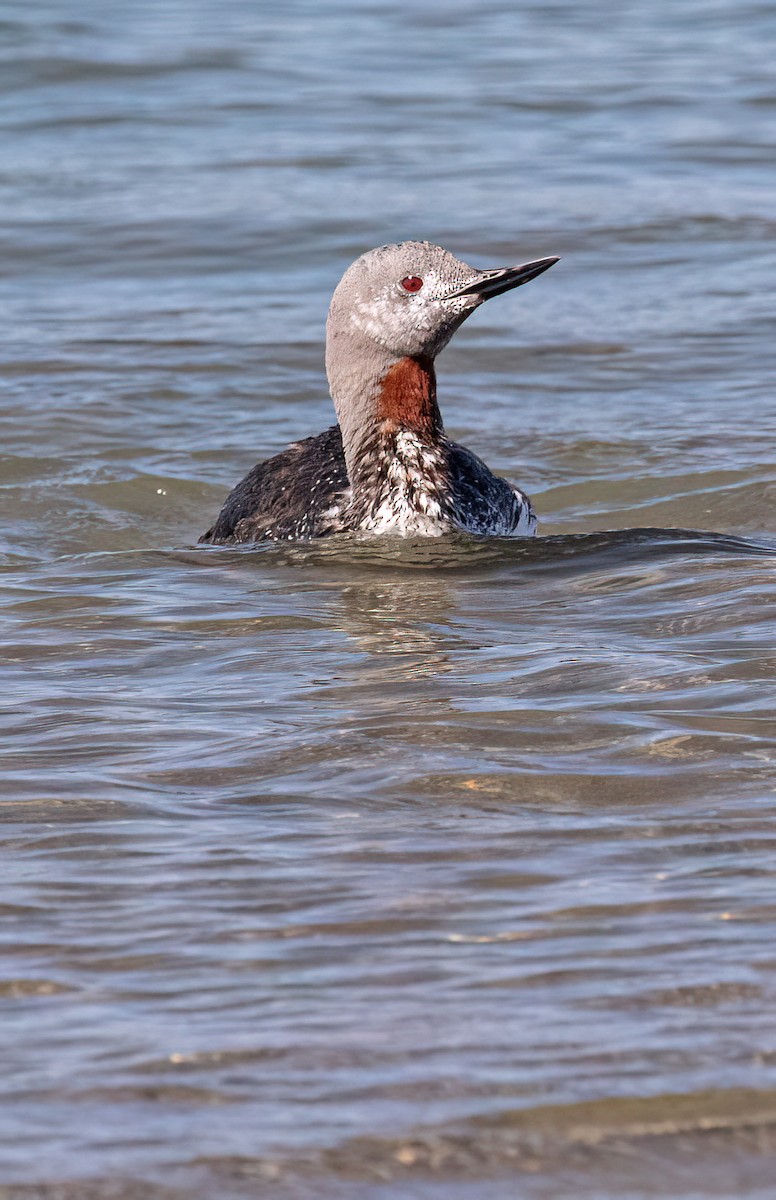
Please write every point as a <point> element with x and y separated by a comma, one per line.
<point>411,298</point>
<point>401,302</point>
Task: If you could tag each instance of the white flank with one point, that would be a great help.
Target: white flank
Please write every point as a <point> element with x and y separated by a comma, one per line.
<point>411,506</point>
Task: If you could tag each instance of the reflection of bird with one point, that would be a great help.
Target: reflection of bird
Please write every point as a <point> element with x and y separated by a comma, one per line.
<point>387,467</point>
<point>408,619</point>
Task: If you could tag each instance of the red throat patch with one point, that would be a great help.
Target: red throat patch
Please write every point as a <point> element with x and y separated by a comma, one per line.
<point>407,396</point>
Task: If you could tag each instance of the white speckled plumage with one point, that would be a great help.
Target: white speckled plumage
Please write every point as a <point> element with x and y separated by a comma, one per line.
<point>387,467</point>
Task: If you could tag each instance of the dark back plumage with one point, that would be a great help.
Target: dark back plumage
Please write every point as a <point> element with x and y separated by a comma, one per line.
<point>286,497</point>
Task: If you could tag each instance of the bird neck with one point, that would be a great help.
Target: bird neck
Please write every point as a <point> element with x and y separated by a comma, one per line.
<point>378,397</point>
<point>406,398</point>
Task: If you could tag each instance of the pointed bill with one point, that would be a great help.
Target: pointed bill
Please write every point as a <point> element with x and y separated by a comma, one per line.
<point>503,279</point>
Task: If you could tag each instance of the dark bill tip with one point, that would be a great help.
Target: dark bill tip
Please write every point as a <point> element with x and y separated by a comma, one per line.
<point>503,279</point>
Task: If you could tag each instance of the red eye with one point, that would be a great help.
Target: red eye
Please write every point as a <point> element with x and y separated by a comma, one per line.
<point>412,283</point>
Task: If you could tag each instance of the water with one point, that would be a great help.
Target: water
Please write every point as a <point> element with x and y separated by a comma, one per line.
<point>434,870</point>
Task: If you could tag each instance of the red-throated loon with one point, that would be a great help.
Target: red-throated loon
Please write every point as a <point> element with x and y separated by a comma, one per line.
<point>387,467</point>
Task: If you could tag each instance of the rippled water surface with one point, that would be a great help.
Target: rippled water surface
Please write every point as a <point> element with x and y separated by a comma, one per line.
<point>387,871</point>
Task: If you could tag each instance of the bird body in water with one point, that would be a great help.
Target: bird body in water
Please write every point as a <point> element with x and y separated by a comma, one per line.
<point>387,466</point>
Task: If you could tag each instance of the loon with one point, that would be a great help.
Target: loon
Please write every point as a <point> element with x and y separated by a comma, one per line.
<point>387,466</point>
